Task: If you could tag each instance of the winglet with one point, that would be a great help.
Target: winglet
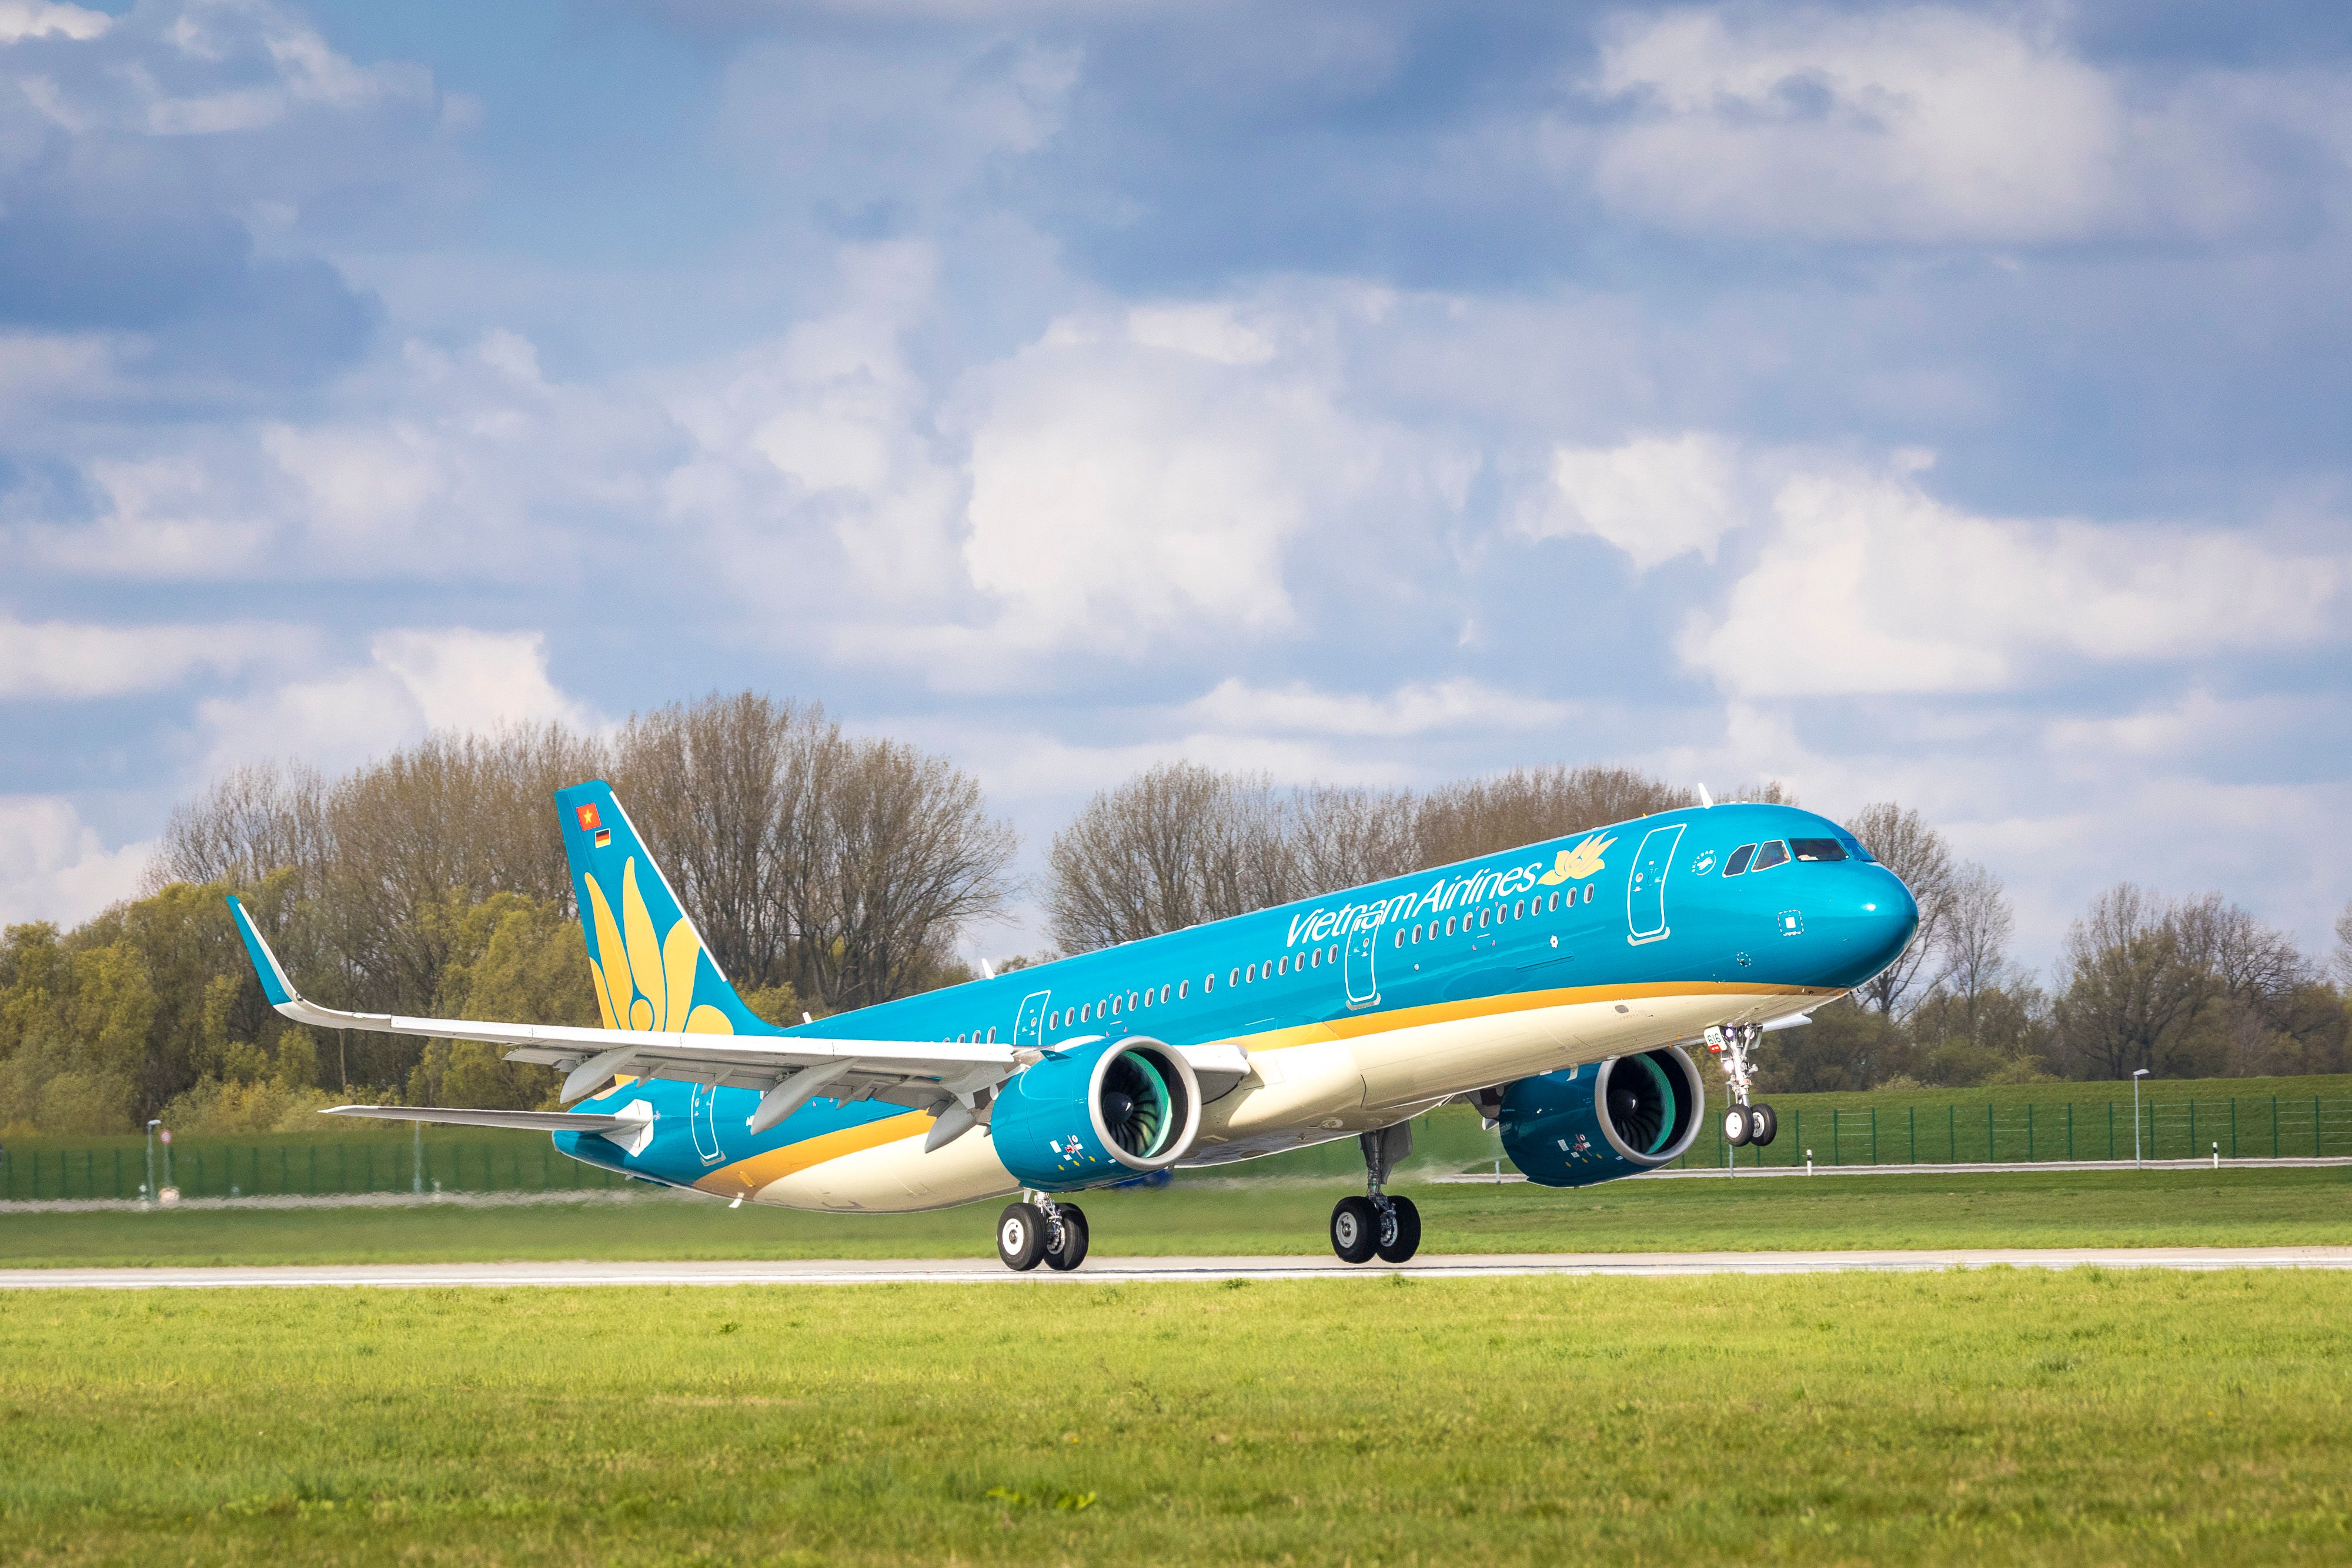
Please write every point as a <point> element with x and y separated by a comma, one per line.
<point>265,967</point>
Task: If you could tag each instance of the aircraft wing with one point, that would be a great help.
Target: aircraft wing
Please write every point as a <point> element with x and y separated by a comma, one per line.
<point>921,1075</point>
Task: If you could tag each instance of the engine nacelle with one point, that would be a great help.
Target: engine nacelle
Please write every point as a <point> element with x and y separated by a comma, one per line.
<point>1096,1113</point>
<point>1584,1124</point>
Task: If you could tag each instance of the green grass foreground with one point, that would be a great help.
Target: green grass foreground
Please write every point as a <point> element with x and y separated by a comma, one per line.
<point>2001,1416</point>
<point>2275,1206</point>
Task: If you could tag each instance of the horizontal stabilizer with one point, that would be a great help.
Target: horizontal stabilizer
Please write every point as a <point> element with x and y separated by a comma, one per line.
<point>530,1121</point>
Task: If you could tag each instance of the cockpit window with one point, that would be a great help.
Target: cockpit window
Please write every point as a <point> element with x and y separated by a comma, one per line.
<point>1739,859</point>
<point>1770,855</point>
<point>1857,849</point>
<point>1817,849</point>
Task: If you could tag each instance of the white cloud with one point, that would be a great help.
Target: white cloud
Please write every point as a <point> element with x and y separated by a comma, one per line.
<point>1921,123</point>
<point>1417,709</point>
<point>822,435</point>
<point>1869,585</point>
<point>21,19</point>
<point>1129,489</point>
<point>1653,497</point>
<point>54,866</point>
<point>415,681</point>
<point>67,659</point>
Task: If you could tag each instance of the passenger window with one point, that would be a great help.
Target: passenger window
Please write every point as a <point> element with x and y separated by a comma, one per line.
<point>1519,909</point>
<point>1183,990</point>
<point>1400,937</point>
<point>1249,974</point>
<point>1554,905</point>
<point>1163,995</point>
<point>1770,855</point>
<point>1146,997</point>
<point>1588,893</point>
<point>1416,935</point>
<point>1315,959</point>
<point>1484,917</point>
<point>1234,978</point>
<point>1449,926</point>
<point>1114,1007</point>
<point>992,1035</point>
<point>1739,859</point>
<point>1817,849</point>
<point>1086,1012</point>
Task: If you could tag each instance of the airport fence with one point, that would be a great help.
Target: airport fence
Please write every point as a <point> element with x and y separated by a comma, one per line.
<point>285,1169</point>
<point>2004,1132</point>
<point>2270,1127</point>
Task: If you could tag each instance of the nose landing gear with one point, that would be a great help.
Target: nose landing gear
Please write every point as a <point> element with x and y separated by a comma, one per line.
<point>1743,1123</point>
<point>1378,1224</point>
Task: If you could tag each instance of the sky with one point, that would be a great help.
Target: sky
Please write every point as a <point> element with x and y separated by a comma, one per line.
<point>1903,402</point>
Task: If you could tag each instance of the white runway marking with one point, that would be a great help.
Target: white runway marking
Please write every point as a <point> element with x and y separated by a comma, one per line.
<point>1140,1271</point>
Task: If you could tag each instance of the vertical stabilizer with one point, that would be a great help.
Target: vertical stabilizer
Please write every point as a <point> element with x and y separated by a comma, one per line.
<point>652,970</point>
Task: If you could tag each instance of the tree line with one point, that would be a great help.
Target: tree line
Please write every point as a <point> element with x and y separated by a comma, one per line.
<point>827,871</point>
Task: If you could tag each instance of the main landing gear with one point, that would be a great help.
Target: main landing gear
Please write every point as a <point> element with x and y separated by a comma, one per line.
<point>1378,1224</point>
<point>1038,1230</point>
<point>1742,1124</point>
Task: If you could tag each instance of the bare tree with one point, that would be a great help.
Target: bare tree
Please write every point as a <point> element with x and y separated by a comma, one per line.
<point>252,821</point>
<point>1915,852</point>
<point>2258,967</point>
<point>1179,843</point>
<point>1978,929</point>
<point>1174,846</point>
<point>1526,805</point>
<point>2134,977</point>
<point>725,792</point>
<point>2343,960</point>
<point>906,853</point>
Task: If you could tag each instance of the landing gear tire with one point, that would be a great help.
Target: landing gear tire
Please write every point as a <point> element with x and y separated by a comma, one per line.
<point>1073,1250</point>
<point>1021,1236</point>
<point>1738,1126</point>
<point>1762,1125</point>
<point>1355,1230</point>
<point>1399,1231</point>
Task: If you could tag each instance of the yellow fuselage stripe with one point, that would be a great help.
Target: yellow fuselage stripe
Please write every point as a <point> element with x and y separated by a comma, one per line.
<point>747,1176</point>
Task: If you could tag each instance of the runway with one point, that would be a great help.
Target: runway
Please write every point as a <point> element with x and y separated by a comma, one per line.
<point>1147,1270</point>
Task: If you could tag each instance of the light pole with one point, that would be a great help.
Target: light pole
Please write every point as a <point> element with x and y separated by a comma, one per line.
<point>151,1124</point>
<point>2138,1073</point>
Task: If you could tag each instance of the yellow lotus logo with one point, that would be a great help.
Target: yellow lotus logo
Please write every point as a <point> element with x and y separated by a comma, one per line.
<point>1580,862</point>
<point>646,982</point>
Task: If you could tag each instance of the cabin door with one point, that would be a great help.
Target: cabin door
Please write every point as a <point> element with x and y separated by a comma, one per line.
<point>1363,986</point>
<point>1645,890</point>
<point>1029,1023</point>
<point>700,1117</point>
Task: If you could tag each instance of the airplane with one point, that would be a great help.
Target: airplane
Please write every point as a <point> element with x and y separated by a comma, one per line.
<point>1557,988</point>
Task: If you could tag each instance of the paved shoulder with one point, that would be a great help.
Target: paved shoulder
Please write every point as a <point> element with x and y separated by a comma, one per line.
<point>960,1270</point>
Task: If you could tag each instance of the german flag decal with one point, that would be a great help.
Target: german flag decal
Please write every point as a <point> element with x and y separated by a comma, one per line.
<point>603,837</point>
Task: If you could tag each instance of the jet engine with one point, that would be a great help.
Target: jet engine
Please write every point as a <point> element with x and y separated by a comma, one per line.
<point>1095,1112</point>
<point>1585,1124</point>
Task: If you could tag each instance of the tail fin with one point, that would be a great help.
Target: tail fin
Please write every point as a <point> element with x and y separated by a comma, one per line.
<point>651,968</point>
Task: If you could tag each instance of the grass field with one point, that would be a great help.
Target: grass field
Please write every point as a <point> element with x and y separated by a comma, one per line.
<point>2239,1206</point>
<point>2002,1417</point>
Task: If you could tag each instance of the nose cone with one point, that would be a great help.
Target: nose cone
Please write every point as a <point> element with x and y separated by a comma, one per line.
<point>1866,920</point>
<point>1894,918</point>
